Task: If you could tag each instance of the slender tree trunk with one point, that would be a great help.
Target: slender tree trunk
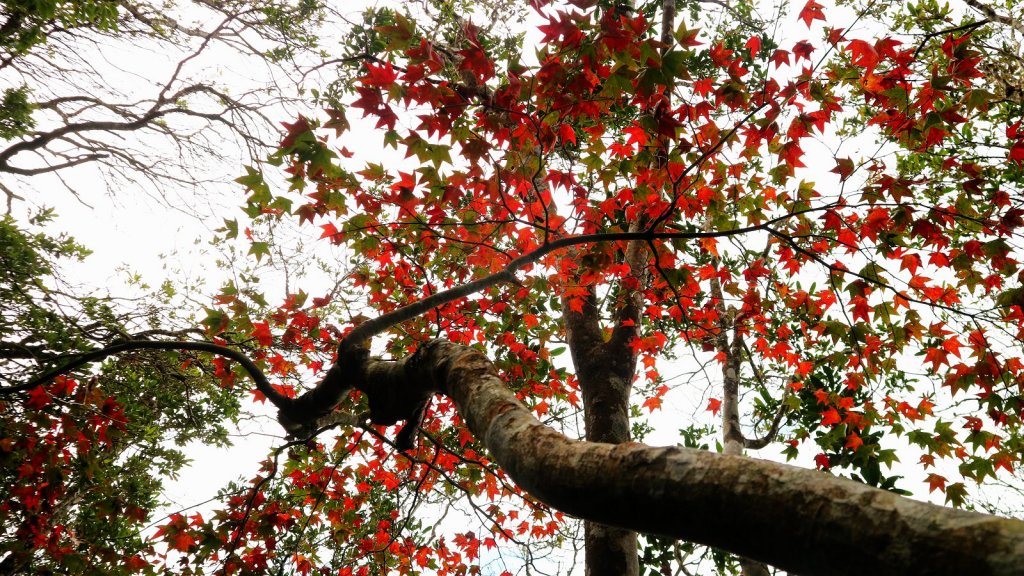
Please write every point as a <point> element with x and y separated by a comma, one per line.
<point>732,435</point>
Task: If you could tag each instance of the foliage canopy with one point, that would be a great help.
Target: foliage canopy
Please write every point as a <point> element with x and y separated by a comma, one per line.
<point>810,225</point>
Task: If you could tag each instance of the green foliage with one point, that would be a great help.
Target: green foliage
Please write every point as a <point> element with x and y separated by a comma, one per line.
<point>29,22</point>
<point>83,460</point>
<point>15,113</point>
<point>27,263</point>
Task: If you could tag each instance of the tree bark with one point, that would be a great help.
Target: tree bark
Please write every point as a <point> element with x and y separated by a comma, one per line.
<point>803,521</point>
<point>605,373</point>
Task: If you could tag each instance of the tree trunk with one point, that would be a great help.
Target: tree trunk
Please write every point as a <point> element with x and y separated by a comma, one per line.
<point>803,521</point>
<point>605,375</point>
<point>732,435</point>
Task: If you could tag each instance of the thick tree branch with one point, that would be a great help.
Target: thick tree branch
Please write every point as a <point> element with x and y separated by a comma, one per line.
<point>52,167</point>
<point>800,520</point>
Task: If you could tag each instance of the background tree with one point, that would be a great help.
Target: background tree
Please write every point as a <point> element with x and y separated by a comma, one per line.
<point>84,460</point>
<point>635,197</point>
<point>148,93</point>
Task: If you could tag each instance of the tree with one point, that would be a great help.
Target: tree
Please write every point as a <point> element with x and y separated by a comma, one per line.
<point>71,99</point>
<point>82,469</point>
<point>640,193</point>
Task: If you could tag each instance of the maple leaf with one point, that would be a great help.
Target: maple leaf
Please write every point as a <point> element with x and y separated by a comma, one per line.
<point>710,245</point>
<point>861,309</point>
<point>780,57</point>
<point>1017,152</point>
<point>576,305</point>
<point>791,153</point>
<point>844,167</point>
<point>337,121</point>
<point>686,37</point>
<point>637,135</point>
<point>286,390</point>
<point>1004,460</point>
<point>38,398</point>
<point>564,30</point>
<point>379,75</point>
<point>566,133</point>
<point>258,396</point>
<point>331,232</point>
<point>753,45</point>
<point>704,86</point>
<point>136,563</point>
<point>261,331</point>
<point>862,54</point>
<point>835,35</point>
<point>910,262</point>
<point>720,55</point>
<point>830,417</point>
<point>182,541</point>
<point>811,11</point>
<point>62,386</point>
<point>714,405</point>
<point>936,482</point>
<point>652,403</point>
<point>294,130</point>
<point>821,462</point>
<point>936,356</point>
<point>803,49</point>
<point>853,441</point>
<point>952,345</point>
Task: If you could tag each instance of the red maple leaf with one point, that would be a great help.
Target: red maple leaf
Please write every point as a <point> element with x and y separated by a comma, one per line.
<point>803,49</point>
<point>720,55</point>
<point>821,462</point>
<point>182,541</point>
<point>704,86</point>
<point>294,130</point>
<point>1017,152</point>
<point>936,482</point>
<point>830,417</point>
<point>652,403</point>
<point>331,232</point>
<point>844,167</point>
<point>261,331</point>
<point>38,398</point>
<point>754,45</point>
<point>862,54</point>
<point>936,356</point>
<point>780,57</point>
<point>811,12</point>
<point>791,154</point>
<point>381,76</point>
<point>853,441</point>
<point>566,133</point>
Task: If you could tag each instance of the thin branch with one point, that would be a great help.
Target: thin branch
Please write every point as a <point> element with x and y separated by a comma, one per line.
<point>381,323</point>
<point>262,384</point>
